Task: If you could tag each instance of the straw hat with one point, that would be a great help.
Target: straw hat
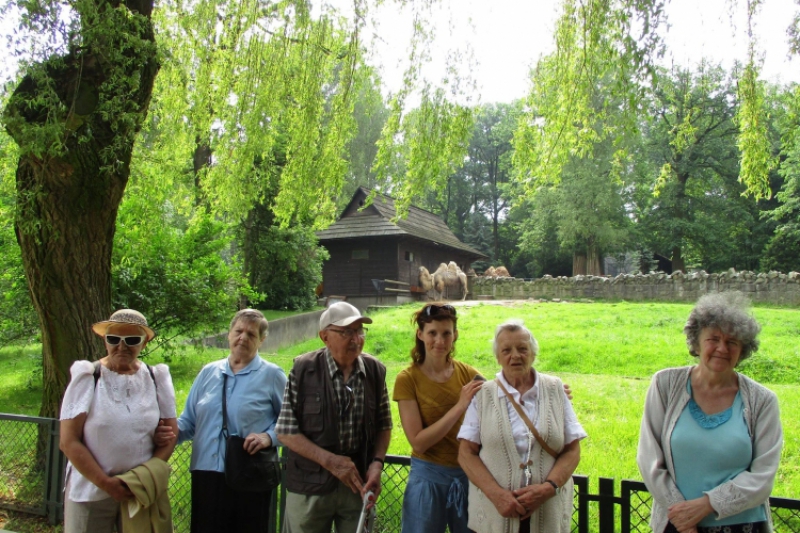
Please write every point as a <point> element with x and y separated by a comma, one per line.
<point>125,316</point>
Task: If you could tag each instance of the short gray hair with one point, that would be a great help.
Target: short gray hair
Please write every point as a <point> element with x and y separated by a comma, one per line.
<point>730,313</point>
<point>251,315</point>
<point>513,326</point>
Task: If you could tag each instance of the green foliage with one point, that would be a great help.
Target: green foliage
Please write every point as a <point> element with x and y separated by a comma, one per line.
<point>177,272</point>
<point>276,77</point>
<point>537,249</point>
<point>587,202</point>
<point>698,214</point>
<point>754,142</point>
<point>783,251</point>
<point>420,148</point>
<point>595,40</point>
<point>474,202</point>
<point>287,267</point>
<point>18,320</point>
<point>370,114</point>
<point>434,143</point>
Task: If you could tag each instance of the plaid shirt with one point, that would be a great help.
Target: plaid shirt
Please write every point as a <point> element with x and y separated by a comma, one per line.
<point>349,405</point>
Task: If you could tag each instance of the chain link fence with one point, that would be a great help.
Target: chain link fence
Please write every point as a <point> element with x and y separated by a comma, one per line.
<point>32,468</point>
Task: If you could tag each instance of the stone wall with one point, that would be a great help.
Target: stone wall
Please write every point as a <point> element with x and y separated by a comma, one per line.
<point>772,287</point>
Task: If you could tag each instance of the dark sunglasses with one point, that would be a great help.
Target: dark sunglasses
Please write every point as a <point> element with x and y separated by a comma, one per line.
<point>433,310</point>
<point>130,340</point>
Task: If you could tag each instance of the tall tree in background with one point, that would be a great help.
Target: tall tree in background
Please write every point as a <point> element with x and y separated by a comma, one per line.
<point>490,154</point>
<point>586,198</point>
<point>475,194</point>
<point>783,251</point>
<point>691,139</point>
<point>370,114</point>
<point>620,41</point>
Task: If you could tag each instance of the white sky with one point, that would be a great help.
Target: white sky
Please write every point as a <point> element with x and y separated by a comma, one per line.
<point>508,36</point>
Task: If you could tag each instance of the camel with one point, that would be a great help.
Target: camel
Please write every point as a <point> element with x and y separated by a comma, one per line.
<point>442,280</point>
<point>499,272</point>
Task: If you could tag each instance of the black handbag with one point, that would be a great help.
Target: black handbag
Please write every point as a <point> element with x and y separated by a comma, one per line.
<point>259,472</point>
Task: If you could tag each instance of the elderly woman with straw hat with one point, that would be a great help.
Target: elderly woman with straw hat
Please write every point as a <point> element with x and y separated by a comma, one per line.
<point>109,415</point>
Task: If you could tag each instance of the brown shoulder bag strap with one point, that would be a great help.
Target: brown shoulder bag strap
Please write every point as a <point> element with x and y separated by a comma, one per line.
<point>528,422</point>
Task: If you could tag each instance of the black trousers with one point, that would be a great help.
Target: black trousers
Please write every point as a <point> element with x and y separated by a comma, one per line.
<point>219,509</point>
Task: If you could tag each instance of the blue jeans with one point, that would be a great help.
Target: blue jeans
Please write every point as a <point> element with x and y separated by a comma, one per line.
<point>435,498</point>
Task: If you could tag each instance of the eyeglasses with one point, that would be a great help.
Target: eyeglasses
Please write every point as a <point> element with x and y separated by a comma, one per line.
<point>349,400</point>
<point>433,310</point>
<point>130,340</point>
<point>348,333</point>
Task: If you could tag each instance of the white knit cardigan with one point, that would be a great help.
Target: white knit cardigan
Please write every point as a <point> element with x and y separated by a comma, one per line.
<point>500,455</point>
<point>666,399</point>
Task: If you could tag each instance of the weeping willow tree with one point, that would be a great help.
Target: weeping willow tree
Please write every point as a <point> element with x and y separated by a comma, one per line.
<point>619,39</point>
<point>223,81</point>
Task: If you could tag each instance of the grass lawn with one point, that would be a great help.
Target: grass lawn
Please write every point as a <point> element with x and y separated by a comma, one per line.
<point>607,352</point>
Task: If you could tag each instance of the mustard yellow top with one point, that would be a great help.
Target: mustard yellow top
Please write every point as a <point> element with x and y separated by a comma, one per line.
<point>434,400</point>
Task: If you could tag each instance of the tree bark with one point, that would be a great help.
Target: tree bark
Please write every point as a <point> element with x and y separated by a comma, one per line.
<point>678,262</point>
<point>69,191</point>
<point>578,264</point>
<point>593,263</point>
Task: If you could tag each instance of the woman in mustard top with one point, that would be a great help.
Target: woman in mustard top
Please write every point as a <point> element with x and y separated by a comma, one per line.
<point>433,394</point>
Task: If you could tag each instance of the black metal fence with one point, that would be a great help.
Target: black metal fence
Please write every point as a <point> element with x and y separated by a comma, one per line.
<point>32,471</point>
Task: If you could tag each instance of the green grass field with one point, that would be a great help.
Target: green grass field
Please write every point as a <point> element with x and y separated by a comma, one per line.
<point>607,352</point>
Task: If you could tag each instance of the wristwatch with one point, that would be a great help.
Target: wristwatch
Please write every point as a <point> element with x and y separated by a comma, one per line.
<point>378,460</point>
<point>555,486</point>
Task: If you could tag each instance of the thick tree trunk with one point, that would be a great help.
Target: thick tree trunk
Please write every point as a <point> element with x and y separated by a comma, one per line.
<point>67,259</point>
<point>593,263</point>
<point>70,185</point>
<point>682,206</point>
<point>578,264</point>
<point>678,262</point>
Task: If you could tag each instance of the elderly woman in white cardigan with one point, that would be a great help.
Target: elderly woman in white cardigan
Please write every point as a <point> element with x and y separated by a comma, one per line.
<point>520,444</point>
<point>711,438</point>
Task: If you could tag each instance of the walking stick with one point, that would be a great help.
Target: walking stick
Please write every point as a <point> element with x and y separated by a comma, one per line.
<point>367,518</point>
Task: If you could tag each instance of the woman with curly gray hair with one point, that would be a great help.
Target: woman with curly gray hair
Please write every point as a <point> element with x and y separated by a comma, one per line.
<point>711,437</point>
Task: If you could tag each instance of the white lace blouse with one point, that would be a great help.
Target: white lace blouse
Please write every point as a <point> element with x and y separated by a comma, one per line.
<point>122,415</point>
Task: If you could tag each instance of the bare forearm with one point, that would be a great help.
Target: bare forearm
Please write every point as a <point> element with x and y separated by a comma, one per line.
<point>382,441</point>
<point>85,463</point>
<point>301,445</point>
<point>566,464</point>
<point>476,470</point>
<point>431,435</point>
<point>164,451</point>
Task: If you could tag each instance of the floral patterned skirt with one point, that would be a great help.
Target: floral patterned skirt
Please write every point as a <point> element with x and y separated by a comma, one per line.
<point>750,527</point>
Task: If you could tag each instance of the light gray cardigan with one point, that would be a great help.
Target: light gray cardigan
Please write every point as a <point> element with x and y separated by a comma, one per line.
<point>666,399</point>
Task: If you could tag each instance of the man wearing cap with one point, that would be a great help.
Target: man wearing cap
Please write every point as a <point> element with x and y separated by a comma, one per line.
<point>336,423</point>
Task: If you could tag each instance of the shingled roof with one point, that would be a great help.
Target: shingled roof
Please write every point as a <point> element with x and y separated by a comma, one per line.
<point>376,221</point>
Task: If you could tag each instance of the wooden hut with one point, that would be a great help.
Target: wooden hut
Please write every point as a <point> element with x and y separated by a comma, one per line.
<point>376,260</point>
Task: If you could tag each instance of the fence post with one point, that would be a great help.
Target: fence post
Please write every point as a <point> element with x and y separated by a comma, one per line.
<point>54,475</point>
<point>582,485</point>
<point>606,505</point>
